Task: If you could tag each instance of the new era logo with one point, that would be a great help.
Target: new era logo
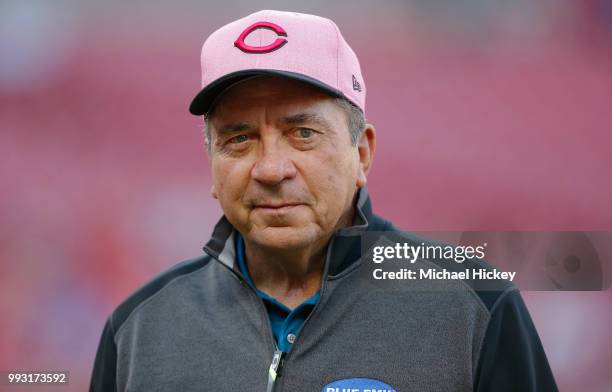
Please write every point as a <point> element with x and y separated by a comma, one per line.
<point>356,85</point>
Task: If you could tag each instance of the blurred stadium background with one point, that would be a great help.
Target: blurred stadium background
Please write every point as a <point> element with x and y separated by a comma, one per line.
<point>491,114</point>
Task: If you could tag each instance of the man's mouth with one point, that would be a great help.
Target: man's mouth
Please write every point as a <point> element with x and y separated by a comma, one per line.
<point>277,206</point>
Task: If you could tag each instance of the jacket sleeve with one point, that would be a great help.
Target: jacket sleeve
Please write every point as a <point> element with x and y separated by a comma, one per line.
<point>103,378</point>
<point>512,357</point>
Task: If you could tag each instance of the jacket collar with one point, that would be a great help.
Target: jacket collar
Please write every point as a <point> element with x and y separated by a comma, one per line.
<point>344,247</point>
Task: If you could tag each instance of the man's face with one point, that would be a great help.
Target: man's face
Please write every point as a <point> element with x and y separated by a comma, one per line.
<point>283,165</point>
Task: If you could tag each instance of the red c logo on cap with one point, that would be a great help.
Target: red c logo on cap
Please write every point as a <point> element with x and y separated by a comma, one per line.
<point>240,44</point>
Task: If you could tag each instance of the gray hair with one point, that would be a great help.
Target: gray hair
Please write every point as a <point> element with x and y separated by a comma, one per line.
<point>355,118</point>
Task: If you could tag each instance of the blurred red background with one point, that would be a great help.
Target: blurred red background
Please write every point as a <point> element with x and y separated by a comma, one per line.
<point>490,115</point>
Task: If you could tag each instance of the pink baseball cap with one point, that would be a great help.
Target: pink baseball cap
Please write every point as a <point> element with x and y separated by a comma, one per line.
<point>298,46</point>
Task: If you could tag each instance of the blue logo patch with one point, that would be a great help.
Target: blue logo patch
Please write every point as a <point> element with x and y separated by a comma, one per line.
<point>358,385</point>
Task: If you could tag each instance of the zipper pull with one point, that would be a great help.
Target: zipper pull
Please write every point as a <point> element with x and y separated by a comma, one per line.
<point>275,368</point>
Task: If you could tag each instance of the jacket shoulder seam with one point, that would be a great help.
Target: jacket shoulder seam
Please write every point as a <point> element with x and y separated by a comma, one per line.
<point>171,281</point>
<point>470,289</point>
<point>499,299</point>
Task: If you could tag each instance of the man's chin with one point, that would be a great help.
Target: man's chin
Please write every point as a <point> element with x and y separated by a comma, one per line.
<point>284,237</point>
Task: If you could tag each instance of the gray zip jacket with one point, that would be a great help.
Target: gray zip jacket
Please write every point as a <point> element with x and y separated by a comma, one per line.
<point>200,327</point>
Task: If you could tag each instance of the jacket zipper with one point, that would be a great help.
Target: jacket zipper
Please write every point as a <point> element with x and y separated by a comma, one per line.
<point>275,369</point>
<point>278,355</point>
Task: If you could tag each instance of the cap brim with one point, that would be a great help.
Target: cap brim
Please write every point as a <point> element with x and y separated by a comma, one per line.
<point>203,101</point>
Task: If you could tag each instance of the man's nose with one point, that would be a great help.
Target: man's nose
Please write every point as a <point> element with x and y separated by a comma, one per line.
<point>273,165</point>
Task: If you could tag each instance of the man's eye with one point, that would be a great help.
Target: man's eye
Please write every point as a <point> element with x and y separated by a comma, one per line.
<point>304,133</point>
<point>239,139</point>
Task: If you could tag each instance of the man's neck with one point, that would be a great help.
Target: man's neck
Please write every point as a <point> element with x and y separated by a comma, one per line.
<point>291,277</point>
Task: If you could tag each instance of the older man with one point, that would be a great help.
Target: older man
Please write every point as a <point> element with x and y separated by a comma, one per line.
<point>278,302</point>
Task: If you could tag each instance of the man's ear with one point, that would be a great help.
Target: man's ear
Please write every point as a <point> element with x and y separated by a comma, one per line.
<point>366,147</point>
<point>213,191</point>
